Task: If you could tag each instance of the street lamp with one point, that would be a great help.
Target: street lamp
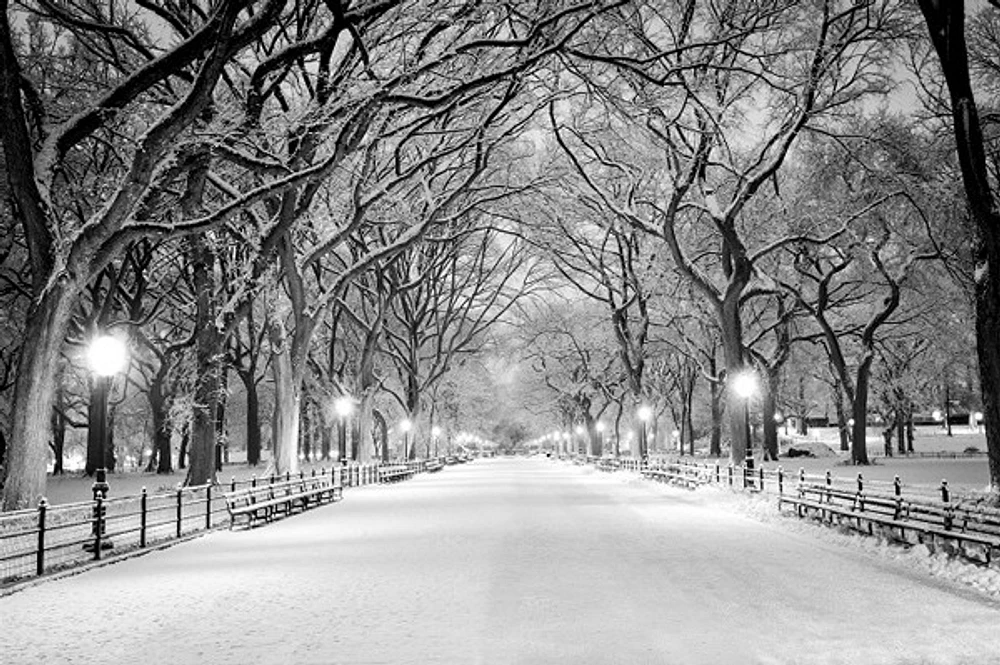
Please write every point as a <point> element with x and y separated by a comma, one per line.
<point>745,385</point>
<point>579,432</point>
<point>645,414</point>
<point>599,427</point>
<point>406,426</point>
<point>344,406</point>
<point>435,433</point>
<point>106,357</point>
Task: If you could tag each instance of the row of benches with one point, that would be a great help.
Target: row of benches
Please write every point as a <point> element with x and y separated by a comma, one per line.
<point>266,502</point>
<point>975,529</point>
<point>263,503</point>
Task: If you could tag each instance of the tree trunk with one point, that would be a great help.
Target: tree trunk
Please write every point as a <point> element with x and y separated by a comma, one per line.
<point>909,428</point>
<point>182,454</point>
<point>161,426</point>
<point>945,22</point>
<point>252,415</point>
<point>305,430</point>
<point>859,451</point>
<point>58,441</point>
<point>34,393</point>
<point>768,422</point>
<point>285,427</point>
<point>715,400</point>
<point>732,344</point>
<point>901,429</point>
<point>843,416</point>
<point>221,431</point>
<point>208,350</point>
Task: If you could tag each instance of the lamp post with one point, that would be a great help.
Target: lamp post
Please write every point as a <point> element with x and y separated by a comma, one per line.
<point>745,385</point>
<point>645,414</point>
<point>580,429</point>
<point>599,427</point>
<point>344,406</point>
<point>435,433</point>
<point>406,426</point>
<point>106,357</point>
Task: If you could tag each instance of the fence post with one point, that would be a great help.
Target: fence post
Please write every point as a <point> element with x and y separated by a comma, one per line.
<point>730,467</point>
<point>760,474</point>
<point>180,508</point>
<point>98,524</point>
<point>946,499</point>
<point>829,486</point>
<point>718,477</point>
<point>232,483</point>
<point>861,484</point>
<point>253,480</point>
<point>781,481</point>
<point>143,509</point>
<point>897,489</point>
<point>43,506</point>
<point>208,507</point>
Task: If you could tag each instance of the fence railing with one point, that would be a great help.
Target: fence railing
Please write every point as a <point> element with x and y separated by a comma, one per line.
<point>49,538</point>
<point>910,513</point>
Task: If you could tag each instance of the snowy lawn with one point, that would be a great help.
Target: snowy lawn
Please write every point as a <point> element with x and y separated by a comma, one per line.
<point>513,561</point>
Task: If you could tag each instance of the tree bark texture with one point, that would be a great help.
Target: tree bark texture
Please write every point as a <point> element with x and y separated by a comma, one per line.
<point>34,395</point>
<point>208,350</point>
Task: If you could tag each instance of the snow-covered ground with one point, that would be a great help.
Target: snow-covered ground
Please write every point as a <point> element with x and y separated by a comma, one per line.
<point>514,561</point>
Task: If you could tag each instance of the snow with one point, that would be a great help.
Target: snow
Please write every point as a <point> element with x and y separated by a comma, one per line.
<point>517,561</point>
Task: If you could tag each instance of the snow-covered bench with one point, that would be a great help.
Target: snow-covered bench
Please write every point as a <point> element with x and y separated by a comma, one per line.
<point>901,517</point>
<point>265,502</point>
<point>676,475</point>
<point>390,474</point>
<point>433,465</point>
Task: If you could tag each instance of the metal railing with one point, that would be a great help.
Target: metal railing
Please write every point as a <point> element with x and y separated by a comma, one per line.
<point>929,512</point>
<point>50,538</point>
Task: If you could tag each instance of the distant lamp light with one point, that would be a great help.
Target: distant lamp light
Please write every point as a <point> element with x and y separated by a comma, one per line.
<point>745,384</point>
<point>936,415</point>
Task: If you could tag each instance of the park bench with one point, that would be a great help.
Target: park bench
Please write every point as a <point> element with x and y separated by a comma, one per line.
<point>675,475</point>
<point>391,474</point>
<point>266,502</point>
<point>433,465</point>
<point>904,519</point>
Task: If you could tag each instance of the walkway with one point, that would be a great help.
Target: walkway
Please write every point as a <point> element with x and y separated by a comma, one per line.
<point>502,561</point>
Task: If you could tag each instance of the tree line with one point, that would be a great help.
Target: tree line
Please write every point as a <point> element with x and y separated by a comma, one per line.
<point>333,198</point>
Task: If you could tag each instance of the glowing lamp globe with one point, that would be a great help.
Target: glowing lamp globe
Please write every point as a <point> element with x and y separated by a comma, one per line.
<point>344,406</point>
<point>107,356</point>
<point>745,384</point>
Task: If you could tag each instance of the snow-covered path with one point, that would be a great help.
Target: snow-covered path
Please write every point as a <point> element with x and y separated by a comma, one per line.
<point>503,561</point>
